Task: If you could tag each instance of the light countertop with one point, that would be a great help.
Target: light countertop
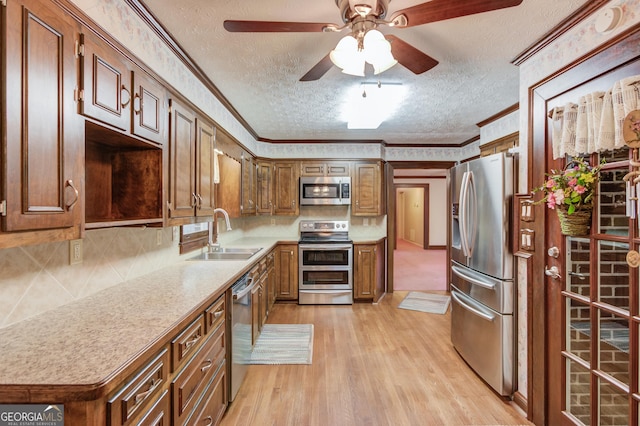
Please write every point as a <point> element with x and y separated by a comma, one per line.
<point>85,342</point>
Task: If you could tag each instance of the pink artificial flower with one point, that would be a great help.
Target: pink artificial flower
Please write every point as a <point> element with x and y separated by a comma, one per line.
<point>551,200</point>
<point>573,182</point>
<point>559,196</point>
<point>580,189</point>
<point>550,183</point>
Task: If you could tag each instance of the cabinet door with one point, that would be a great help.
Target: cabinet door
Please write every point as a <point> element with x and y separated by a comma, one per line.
<point>365,271</point>
<point>255,313</point>
<point>106,84</point>
<point>205,135</point>
<point>285,188</point>
<point>338,168</point>
<point>249,185</point>
<point>182,194</point>
<point>271,281</point>
<point>367,189</point>
<point>44,151</point>
<point>264,201</point>
<point>149,108</point>
<point>287,272</point>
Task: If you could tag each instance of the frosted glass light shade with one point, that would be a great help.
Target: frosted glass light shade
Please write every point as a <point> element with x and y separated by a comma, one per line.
<point>376,51</point>
<point>347,56</point>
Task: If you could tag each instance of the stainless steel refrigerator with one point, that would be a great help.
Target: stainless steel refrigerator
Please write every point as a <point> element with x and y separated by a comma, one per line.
<point>482,268</point>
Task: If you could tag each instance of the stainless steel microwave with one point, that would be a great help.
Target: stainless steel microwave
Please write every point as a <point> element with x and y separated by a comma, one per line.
<point>316,191</point>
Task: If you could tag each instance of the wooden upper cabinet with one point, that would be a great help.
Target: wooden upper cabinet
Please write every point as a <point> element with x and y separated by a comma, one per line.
<point>264,202</point>
<point>149,108</point>
<point>116,92</point>
<point>205,136</point>
<point>44,152</point>
<point>105,84</point>
<point>285,188</point>
<point>182,162</point>
<point>325,168</point>
<point>367,194</point>
<point>229,189</point>
<point>249,185</point>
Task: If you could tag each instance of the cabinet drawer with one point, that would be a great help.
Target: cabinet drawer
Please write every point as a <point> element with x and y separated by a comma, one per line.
<point>215,315</point>
<point>213,404</point>
<point>186,342</point>
<point>137,392</point>
<point>159,414</point>
<point>187,387</point>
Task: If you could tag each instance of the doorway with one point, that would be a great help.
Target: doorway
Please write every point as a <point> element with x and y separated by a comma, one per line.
<point>417,197</point>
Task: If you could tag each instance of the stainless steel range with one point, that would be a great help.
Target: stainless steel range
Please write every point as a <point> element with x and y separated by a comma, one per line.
<point>325,263</point>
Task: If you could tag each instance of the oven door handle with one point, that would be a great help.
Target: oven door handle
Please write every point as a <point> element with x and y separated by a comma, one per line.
<point>325,247</point>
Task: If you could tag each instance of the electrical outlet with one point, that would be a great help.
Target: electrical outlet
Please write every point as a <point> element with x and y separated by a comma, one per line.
<point>365,222</point>
<point>273,221</point>
<point>158,237</point>
<point>75,252</point>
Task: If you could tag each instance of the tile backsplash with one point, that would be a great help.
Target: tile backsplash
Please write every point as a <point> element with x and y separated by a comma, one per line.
<point>38,278</point>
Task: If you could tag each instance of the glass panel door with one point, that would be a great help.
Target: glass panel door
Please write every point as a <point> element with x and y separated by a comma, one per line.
<point>600,299</point>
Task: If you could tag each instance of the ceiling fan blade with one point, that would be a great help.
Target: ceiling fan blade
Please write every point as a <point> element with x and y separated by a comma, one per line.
<point>318,70</point>
<point>439,10</point>
<point>410,57</point>
<point>274,27</point>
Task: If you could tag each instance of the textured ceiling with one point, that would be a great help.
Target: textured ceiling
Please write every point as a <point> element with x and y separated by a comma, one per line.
<point>259,73</point>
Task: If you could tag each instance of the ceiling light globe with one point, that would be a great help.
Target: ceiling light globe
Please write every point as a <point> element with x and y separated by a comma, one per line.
<point>347,57</point>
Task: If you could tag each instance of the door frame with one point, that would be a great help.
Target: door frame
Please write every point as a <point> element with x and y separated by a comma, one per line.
<point>544,342</point>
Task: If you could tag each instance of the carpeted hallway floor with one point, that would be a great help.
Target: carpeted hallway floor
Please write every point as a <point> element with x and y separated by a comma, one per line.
<point>419,269</point>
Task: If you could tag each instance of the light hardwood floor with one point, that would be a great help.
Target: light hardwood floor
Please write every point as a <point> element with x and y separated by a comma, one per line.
<point>372,365</point>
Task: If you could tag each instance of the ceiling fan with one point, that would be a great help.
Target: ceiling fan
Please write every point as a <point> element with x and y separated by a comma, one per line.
<point>364,16</point>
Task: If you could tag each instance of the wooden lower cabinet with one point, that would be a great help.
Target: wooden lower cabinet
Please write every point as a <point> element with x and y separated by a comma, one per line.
<point>286,266</point>
<point>368,271</point>
<point>184,383</point>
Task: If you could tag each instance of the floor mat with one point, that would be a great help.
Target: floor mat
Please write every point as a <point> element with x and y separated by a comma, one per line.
<point>426,302</point>
<point>283,344</point>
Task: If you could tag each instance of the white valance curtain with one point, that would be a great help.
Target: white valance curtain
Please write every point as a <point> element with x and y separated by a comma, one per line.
<point>594,124</point>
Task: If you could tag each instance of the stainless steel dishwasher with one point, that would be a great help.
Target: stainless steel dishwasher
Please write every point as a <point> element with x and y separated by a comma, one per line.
<point>241,345</point>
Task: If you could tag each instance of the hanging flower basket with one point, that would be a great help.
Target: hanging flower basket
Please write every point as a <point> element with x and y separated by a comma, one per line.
<point>576,224</point>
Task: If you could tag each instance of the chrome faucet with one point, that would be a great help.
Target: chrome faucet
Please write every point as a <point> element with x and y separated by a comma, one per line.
<point>210,244</point>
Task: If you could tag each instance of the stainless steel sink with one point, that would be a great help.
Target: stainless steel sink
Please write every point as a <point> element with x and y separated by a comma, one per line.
<point>228,253</point>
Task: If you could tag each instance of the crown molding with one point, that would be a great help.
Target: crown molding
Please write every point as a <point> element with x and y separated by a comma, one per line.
<point>563,27</point>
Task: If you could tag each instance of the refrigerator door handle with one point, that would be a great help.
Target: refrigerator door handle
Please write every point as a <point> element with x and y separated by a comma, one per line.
<point>462,214</point>
<point>473,213</point>
<point>471,309</point>
<point>456,270</point>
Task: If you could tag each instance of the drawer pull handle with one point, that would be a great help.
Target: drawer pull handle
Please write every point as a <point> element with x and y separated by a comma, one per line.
<point>209,420</point>
<point>218,314</point>
<point>208,365</point>
<point>152,386</point>
<point>193,341</point>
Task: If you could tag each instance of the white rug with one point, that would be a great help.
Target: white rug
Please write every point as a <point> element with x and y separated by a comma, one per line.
<point>283,344</point>
<point>426,302</point>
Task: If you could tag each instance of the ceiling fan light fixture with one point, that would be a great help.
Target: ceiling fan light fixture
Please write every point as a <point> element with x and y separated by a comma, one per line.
<point>378,51</point>
<point>348,57</point>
